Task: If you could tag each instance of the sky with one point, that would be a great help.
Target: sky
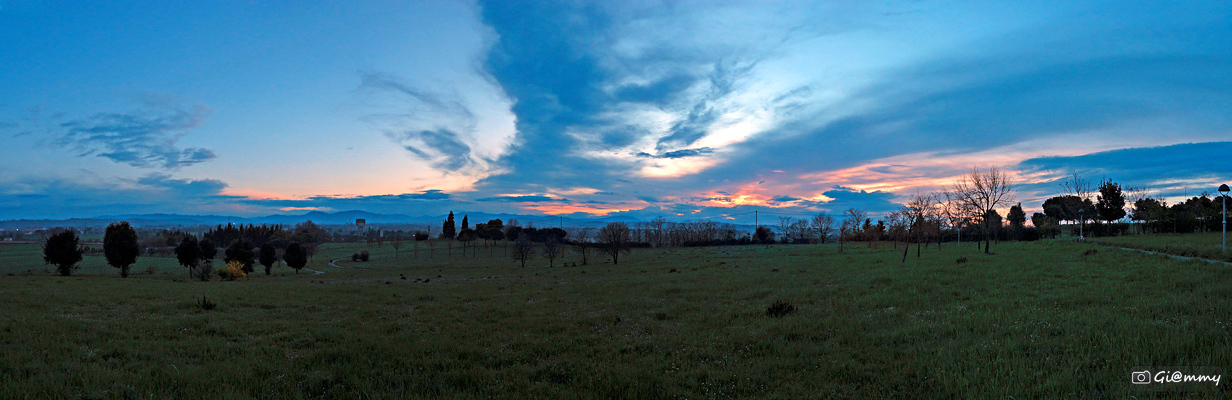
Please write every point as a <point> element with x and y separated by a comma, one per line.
<point>687,110</point>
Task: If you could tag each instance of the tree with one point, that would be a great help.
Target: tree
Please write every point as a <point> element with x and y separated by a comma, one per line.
<point>268,256</point>
<point>915,213</point>
<point>955,211</point>
<point>466,236</point>
<point>1017,219</point>
<point>522,249</point>
<point>985,191</point>
<point>1110,204</point>
<point>188,253</point>
<point>241,251</point>
<point>120,246</point>
<point>614,238</point>
<point>581,245</point>
<point>1076,186</point>
<point>551,250</point>
<point>396,241</point>
<point>447,228</point>
<point>61,250</point>
<point>1065,208</point>
<point>208,251</point>
<point>465,225</point>
<point>1045,224</point>
<point>295,256</point>
<point>762,235</point>
<point>851,225</point>
<point>823,225</point>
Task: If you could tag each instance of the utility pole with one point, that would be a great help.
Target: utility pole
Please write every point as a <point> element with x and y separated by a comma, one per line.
<point>755,225</point>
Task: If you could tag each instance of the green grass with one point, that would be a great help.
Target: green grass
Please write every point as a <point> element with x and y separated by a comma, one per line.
<point>1202,245</point>
<point>1050,319</point>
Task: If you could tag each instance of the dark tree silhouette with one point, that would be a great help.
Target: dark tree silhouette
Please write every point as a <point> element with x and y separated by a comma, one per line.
<point>268,257</point>
<point>447,228</point>
<point>61,250</point>
<point>241,251</point>
<point>582,245</point>
<point>1110,204</point>
<point>551,250</point>
<point>522,250</point>
<point>208,250</point>
<point>295,256</point>
<point>188,253</point>
<point>1017,219</point>
<point>465,225</point>
<point>120,246</point>
<point>614,239</point>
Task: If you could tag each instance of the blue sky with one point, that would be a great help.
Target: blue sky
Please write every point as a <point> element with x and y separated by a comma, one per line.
<point>681,109</point>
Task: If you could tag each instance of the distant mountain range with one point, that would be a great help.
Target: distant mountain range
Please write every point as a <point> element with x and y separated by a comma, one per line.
<point>319,217</point>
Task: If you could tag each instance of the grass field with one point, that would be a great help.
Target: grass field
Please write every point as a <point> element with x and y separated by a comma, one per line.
<point>1050,319</point>
<point>1202,245</point>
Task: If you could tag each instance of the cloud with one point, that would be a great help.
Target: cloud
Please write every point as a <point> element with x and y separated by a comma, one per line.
<point>143,139</point>
<point>441,127</point>
<point>87,195</point>
<point>441,147</point>
<point>1171,171</point>
<point>522,199</point>
<point>683,153</point>
<point>183,188</point>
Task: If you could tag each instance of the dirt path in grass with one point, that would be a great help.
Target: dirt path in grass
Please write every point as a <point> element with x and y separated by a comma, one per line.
<point>1168,255</point>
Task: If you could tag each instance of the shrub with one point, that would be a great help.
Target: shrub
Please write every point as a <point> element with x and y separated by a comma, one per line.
<point>234,270</point>
<point>960,260</point>
<point>205,271</point>
<point>206,304</point>
<point>363,255</point>
<point>355,257</point>
<point>780,308</point>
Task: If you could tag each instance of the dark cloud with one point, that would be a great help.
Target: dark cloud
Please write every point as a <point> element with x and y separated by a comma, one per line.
<point>443,148</point>
<point>783,199</point>
<point>649,199</point>
<point>59,198</point>
<point>184,188</point>
<point>522,199</point>
<point>143,139</point>
<point>874,202</point>
<point>683,153</point>
<point>1161,168</point>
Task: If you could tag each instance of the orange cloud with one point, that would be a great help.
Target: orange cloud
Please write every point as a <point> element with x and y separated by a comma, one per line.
<point>556,209</point>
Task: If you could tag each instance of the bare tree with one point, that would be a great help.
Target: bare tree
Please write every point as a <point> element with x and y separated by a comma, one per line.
<point>1075,185</point>
<point>956,212</point>
<point>851,224</point>
<point>581,243</point>
<point>522,249</point>
<point>823,225</point>
<point>917,211</point>
<point>396,242</point>
<point>985,191</point>
<point>551,249</point>
<point>614,238</point>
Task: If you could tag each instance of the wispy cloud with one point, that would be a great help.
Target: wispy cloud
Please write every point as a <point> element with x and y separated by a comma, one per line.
<point>683,153</point>
<point>147,138</point>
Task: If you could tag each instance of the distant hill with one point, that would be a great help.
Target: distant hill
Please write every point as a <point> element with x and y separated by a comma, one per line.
<point>320,217</point>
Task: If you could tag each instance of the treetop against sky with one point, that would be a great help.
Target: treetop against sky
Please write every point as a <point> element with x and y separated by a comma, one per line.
<point>683,109</point>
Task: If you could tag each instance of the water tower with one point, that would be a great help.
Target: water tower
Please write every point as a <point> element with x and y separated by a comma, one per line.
<point>359,225</point>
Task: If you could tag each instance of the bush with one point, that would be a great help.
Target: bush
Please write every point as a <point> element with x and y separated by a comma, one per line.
<point>363,255</point>
<point>780,308</point>
<point>206,304</point>
<point>234,270</point>
<point>205,271</point>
